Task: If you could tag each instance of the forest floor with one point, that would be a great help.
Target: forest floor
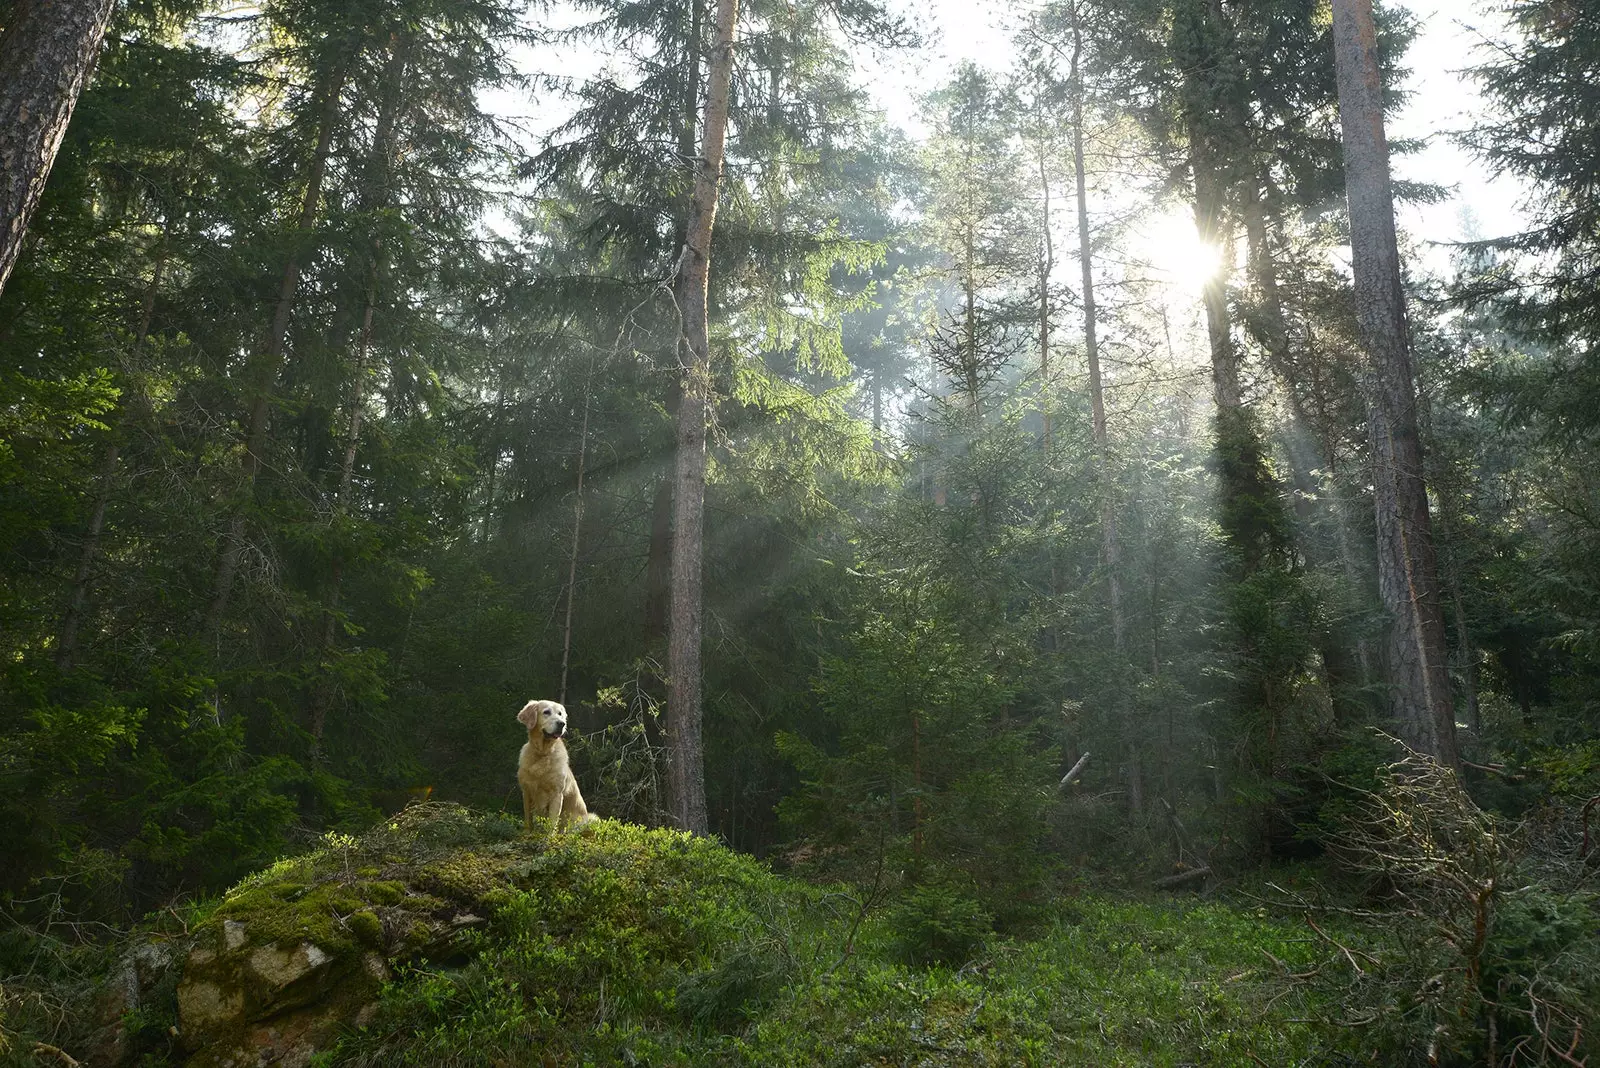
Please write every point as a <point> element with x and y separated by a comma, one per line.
<point>448,937</point>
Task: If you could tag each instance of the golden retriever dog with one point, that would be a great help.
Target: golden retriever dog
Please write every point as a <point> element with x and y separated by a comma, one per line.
<point>548,788</point>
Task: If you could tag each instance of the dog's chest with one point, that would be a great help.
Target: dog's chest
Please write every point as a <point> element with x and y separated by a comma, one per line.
<point>547,769</point>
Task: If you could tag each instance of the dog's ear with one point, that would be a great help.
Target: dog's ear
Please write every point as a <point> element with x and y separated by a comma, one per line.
<point>529,716</point>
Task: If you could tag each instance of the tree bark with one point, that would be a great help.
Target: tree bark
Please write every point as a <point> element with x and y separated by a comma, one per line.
<point>658,568</point>
<point>263,370</point>
<point>686,773</point>
<point>47,52</point>
<point>1407,571</point>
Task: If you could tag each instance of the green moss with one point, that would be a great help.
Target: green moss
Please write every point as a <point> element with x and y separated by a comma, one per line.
<point>367,928</point>
<point>384,893</point>
<point>290,913</point>
<point>464,877</point>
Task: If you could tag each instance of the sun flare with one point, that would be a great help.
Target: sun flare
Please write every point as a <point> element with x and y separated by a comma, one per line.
<point>1169,248</point>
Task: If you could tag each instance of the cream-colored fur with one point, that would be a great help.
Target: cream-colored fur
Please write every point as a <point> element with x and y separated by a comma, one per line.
<point>548,787</point>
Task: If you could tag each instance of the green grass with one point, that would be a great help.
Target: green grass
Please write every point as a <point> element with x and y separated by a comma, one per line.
<point>1108,983</point>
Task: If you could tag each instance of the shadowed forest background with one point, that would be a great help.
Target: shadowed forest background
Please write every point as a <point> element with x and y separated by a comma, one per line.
<point>339,403</point>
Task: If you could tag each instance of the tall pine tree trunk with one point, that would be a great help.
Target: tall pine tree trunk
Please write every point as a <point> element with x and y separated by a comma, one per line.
<point>658,569</point>
<point>1407,572</point>
<point>47,52</point>
<point>1110,545</point>
<point>262,371</point>
<point>686,772</point>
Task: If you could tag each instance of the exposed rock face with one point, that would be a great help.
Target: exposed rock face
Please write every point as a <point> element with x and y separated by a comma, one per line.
<point>296,957</point>
<point>137,982</point>
<point>242,1004</point>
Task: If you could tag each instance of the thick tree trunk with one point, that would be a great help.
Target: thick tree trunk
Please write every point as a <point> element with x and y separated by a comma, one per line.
<point>686,773</point>
<point>658,568</point>
<point>1407,572</point>
<point>263,370</point>
<point>47,52</point>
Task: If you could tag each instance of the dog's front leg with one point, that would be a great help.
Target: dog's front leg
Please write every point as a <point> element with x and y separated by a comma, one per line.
<point>527,811</point>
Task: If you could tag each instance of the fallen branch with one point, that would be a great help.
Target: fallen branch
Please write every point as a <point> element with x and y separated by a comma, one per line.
<point>1494,769</point>
<point>1349,954</point>
<point>1072,776</point>
<point>45,1049</point>
<point>1183,878</point>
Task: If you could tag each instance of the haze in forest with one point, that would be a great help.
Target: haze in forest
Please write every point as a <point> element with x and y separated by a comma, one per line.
<point>1039,546</point>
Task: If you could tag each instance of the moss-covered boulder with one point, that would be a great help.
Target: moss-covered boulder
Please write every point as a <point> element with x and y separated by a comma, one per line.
<point>389,944</point>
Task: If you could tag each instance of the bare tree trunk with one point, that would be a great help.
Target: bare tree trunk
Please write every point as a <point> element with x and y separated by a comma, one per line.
<point>263,370</point>
<point>47,52</point>
<point>1407,571</point>
<point>1110,544</point>
<point>1047,263</point>
<point>658,568</point>
<point>686,773</point>
<point>577,531</point>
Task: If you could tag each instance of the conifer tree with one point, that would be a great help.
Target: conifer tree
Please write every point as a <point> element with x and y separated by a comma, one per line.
<point>1408,579</point>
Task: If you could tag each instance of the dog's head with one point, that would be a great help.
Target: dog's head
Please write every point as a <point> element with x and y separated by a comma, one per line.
<point>546,716</point>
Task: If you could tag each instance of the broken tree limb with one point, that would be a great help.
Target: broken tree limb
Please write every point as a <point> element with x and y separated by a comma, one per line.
<point>1072,776</point>
<point>1183,878</point>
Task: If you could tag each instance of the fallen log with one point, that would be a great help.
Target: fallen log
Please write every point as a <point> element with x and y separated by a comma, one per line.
<point>1183,878</point>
